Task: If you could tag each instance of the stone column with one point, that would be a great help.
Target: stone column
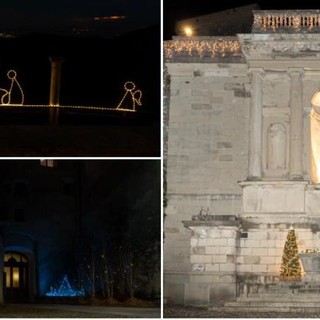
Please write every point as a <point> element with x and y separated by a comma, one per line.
<point>255,140</point>
<point>56,63</point>
<point>296,124</point>
<point>1,268</point>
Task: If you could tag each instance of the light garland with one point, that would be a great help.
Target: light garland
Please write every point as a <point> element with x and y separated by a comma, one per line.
<point>211,48</point>
<point>129,86</point>
<point>136,96</point>
<point>6,97</point>
<point>310,251</point>
<point>67,107</point>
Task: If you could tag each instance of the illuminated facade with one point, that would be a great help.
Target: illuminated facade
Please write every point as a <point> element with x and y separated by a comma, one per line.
<point>242,158</point>
<point>52,212</point>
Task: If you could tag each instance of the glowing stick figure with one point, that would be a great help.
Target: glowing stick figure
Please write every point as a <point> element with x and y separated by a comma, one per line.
<point>6,97</point>
<point>136,96</point>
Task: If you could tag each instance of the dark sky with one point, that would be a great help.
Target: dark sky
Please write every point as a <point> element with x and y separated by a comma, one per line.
<point>65,15</point>
<point>174,10</point>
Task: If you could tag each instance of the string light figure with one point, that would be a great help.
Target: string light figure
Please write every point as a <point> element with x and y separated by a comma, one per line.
<point>6,96</point>
<point>136,96</point>
<point>130,87</point>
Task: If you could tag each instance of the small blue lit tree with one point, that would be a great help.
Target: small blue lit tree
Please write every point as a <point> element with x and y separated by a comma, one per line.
<point>65,290</point>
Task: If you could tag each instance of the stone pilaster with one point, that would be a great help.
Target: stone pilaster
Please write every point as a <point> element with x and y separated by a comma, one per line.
<point>255,141</point>
<point>296,124</point>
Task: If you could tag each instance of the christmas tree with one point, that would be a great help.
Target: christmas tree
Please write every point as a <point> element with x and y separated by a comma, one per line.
<point>290,267</point>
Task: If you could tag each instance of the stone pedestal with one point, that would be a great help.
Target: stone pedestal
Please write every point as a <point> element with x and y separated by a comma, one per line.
<point>212,280</point>
<point>311,266</point>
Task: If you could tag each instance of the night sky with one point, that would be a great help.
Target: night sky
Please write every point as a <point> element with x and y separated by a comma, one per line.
<point>63,16</point>
<point>174,10</point>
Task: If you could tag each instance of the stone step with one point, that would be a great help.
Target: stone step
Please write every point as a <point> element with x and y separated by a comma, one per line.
<point>273,304</point>
<point>293,309</point>
<point>282,298</point>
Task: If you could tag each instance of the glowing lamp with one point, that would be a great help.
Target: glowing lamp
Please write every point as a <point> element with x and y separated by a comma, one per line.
<point>315,100</point>
<point>188,31</point>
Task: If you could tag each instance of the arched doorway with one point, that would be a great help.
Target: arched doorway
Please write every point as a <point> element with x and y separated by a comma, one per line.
<point>15,277</point>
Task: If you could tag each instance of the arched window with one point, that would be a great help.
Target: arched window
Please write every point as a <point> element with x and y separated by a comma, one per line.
<point>15,276</point>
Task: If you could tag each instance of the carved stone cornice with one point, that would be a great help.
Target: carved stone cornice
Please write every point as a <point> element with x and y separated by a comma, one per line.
<point>280,46</point>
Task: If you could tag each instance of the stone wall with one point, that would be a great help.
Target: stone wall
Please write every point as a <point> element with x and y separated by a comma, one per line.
<point>207,154</point>
<point>238,123</point>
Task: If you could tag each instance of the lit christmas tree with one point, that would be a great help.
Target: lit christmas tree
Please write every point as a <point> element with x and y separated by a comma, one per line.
<point>290,267</point>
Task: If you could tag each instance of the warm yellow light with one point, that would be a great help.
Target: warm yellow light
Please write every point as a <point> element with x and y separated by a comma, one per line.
<point>15,277</point>
<point>211,48</point>
<point>188,31</point>
<point>315,100</point>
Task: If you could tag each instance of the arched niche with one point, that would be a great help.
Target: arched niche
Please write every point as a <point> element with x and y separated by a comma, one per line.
<point>276,147</point>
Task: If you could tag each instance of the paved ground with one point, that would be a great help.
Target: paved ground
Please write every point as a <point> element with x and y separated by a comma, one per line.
<point>73,311</point>
<point>68,141</point>
<point>191,312</point>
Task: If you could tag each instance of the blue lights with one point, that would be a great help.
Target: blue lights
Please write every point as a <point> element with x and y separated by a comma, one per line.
<point>65,290</point>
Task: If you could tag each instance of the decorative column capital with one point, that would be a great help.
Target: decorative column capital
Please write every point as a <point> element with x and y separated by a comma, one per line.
<point>259,71</point>
<point>295,71</point>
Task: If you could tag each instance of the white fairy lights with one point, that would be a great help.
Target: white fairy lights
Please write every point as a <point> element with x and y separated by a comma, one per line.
<point>128,105</point>
<point>195,47</point>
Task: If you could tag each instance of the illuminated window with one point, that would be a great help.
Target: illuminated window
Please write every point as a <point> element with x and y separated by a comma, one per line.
<point>48,163</point>
<point>15,277</point>
<point>15,272</point>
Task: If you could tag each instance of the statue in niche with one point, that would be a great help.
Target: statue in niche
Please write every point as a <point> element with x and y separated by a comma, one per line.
<point>276,147</point>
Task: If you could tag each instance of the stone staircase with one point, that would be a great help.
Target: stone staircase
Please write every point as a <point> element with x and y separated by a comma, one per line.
<point>281,297</point>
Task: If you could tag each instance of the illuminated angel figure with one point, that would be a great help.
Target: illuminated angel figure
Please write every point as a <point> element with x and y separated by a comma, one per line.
<point>6,96</point>
<point>131,98</point>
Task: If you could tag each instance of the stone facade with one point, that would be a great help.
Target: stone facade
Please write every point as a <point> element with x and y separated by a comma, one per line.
<point>53,211</point>
<point>238,157</point>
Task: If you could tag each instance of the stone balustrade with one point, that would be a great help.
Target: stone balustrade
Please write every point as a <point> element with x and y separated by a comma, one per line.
<point>287,21</point>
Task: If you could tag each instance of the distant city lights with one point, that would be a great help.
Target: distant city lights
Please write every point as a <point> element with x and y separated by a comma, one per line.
<point>109,18</point>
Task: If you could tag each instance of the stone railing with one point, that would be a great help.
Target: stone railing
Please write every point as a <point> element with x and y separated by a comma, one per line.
<point>287,21</point>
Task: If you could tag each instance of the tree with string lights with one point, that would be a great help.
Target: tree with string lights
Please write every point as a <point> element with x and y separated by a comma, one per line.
<point>290,267</point>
